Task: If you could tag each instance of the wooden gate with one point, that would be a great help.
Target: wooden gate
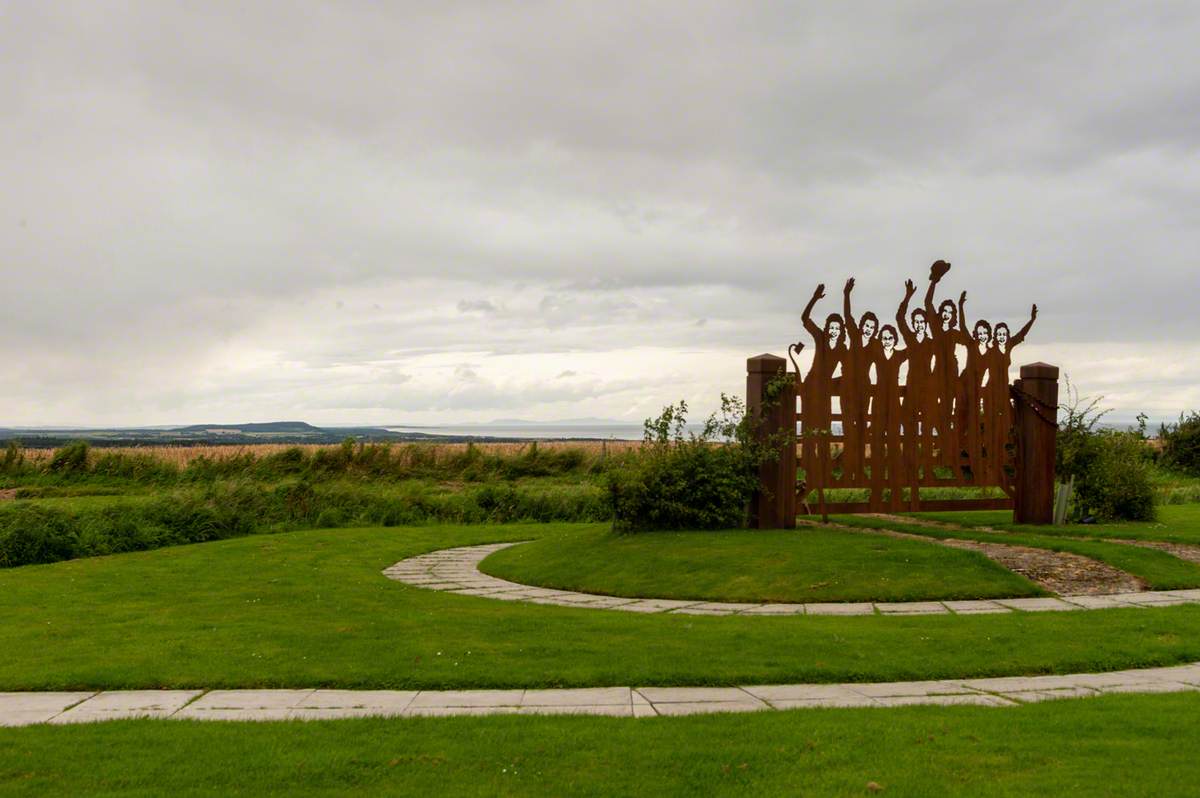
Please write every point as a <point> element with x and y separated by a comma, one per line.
<point>886,411</point>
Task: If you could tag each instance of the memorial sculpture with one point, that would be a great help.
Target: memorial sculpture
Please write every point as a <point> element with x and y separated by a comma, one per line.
<point>891,410</point>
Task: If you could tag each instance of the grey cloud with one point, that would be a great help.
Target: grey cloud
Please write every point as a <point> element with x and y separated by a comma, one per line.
<point>322,186</point>
<point>475,306</point>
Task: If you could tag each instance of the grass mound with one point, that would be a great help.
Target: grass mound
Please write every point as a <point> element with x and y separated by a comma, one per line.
<point>750,566</point>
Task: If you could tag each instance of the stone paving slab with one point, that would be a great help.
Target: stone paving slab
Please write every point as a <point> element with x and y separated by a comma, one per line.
<point>1101,602</point>
<point>22,709</point>
<point>668,695</point>
<point>255,714</point>
<point>911,608</point>
<point>975,607</point>
<point>250,699</point>
<point>467,698</point>
<point>357,699</point>
<point>586,696</point>
<point>965,699</point>
<point>777,694</point>
<point>846,608</point>
<point>119,704</point>
<point>457,571</point>
<point>910,689</point>
<point>340,713</point>
<point>776,609</point>
<point>610,710</point>
<point>705,707</point>
<point>1038,604</point>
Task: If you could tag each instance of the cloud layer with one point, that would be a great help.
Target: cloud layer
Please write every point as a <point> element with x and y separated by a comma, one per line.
<point>360,212</point>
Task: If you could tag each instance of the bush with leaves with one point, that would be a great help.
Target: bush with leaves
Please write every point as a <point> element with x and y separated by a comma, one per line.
<point>1111,468</point>
<point>690,480</point>
<point>1116,485</point>
<point>1181,443</point>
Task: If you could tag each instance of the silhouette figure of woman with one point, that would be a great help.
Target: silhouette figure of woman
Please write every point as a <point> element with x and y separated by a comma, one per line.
<point>857,357</point>
<point>973,419</point>
<point>946,336</point>
<point>998,409</point>
<point>816,409</point>
<point>885,421</point>
<point>920,402</point>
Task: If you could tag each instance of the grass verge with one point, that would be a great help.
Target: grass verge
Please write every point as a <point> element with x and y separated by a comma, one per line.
<point>1113,745</point>
<point>800,566</point>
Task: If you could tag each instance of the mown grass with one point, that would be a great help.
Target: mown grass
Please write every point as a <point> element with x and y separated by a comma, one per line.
<point>1128,745</point>
<point>749,565</point>
<point>311,609</point>
<point>1176,523</point>
<point>1160,570</point>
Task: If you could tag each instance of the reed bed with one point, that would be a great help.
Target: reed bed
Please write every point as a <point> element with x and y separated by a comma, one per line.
<point>182,456</point>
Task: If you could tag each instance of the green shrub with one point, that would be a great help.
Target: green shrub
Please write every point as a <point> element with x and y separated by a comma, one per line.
<point>1181,444</point>
<point>1111,469</point>
<point>13,462</point>
<point>694,481</point>
<point>1116,485</point>
<point>70,459</point>
<point>30,533</point>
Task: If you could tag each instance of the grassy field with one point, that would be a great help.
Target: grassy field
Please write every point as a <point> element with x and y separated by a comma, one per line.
<point>748,565</point>
<point>311,609</point>
<point>1114,745</point>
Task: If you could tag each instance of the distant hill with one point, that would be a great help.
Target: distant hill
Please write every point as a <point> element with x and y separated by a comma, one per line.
<point>270,427</point>
<point>285,432</point>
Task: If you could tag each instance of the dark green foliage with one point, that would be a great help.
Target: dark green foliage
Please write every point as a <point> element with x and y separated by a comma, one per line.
<point>70,459</point>
<point>31,533</point>
<point>1111,469</point>
<point>693,481</point>
<point>13,461</point>
<point>1181,444</point>
<point>1116,484</point>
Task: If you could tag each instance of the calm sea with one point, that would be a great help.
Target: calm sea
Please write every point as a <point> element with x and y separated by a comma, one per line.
<point>612,432</point>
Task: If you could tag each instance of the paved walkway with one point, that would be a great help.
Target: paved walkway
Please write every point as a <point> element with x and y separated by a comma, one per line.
<point>457,571</point>
<point>23,709</point>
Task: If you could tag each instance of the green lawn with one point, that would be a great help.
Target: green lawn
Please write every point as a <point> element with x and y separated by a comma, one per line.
<point>1179,523</point>
<point>1161,571</point>
<point>311,609</point>
<point>1122,745</point>
<point>749,565</point>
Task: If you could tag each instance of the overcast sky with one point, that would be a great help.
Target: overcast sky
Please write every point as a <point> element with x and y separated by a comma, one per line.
<point>366,213</point>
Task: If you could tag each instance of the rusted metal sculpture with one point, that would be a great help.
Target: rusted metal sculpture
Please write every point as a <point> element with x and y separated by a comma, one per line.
<point>892,421</point>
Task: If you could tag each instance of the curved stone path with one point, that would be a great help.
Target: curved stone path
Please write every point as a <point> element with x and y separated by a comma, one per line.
<point>25,709</point>
<point>457,571</point>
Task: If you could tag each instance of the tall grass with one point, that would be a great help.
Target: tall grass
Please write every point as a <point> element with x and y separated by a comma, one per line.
<point>166,465</point>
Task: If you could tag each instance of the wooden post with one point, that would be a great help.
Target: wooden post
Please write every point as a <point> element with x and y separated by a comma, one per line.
<point>1036,395</point>
<point>774,505</point>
